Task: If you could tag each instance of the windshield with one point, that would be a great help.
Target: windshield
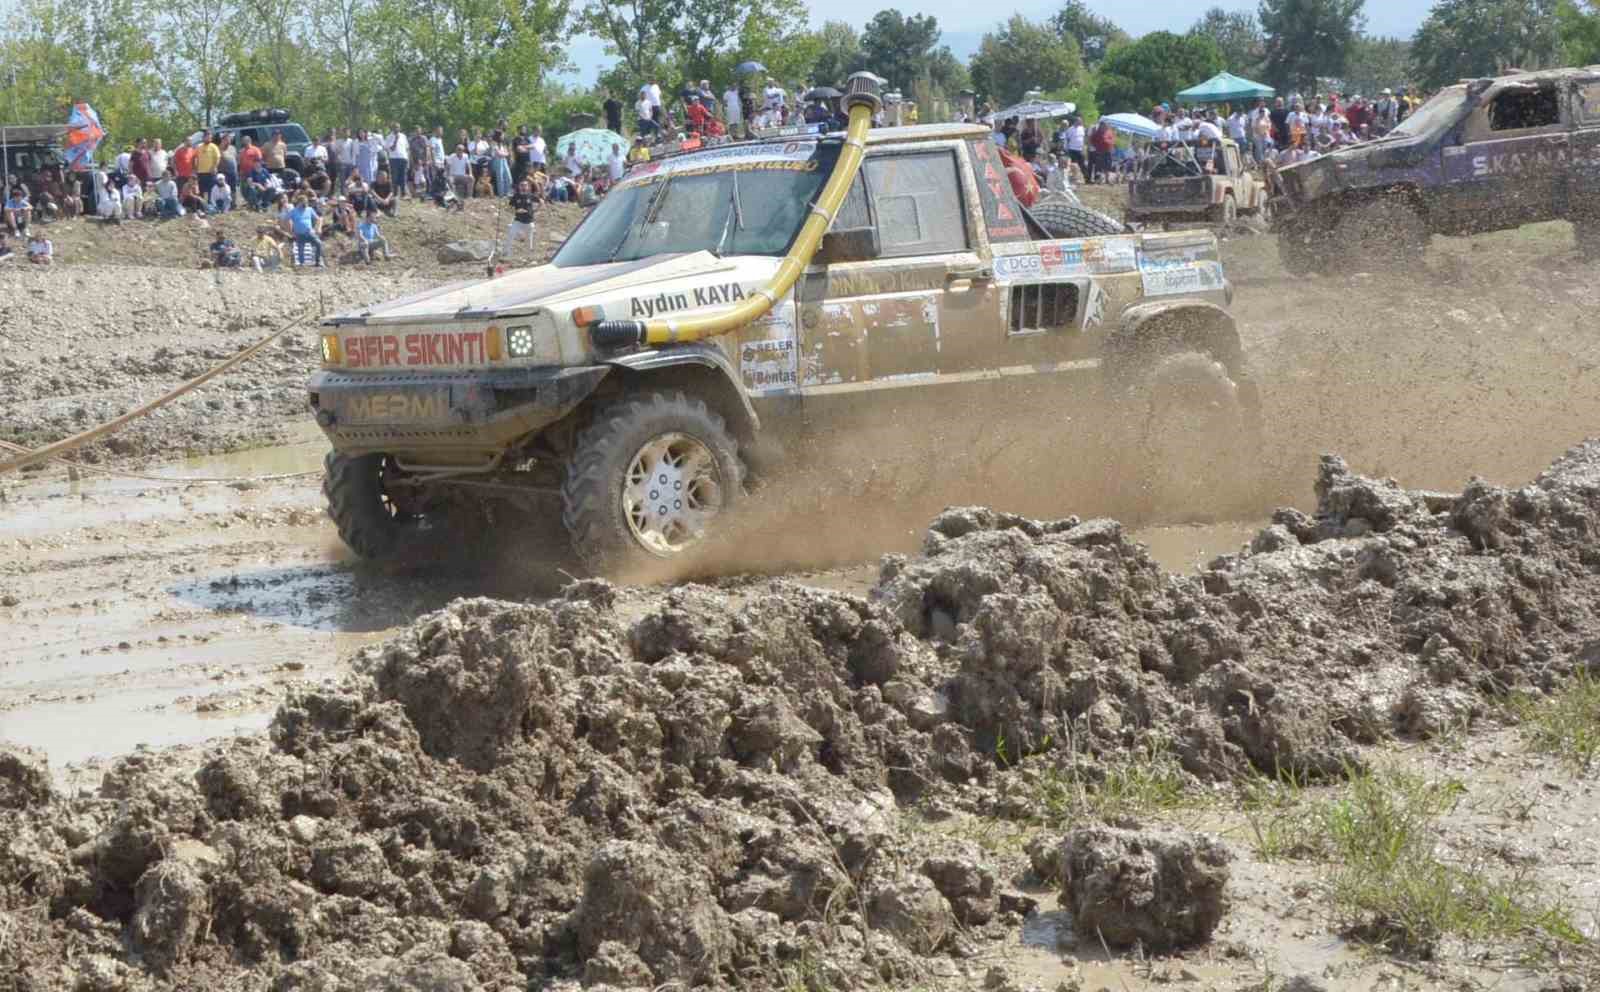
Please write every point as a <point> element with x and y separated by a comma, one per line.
<point>1437,112</point>
<point>754,208</point>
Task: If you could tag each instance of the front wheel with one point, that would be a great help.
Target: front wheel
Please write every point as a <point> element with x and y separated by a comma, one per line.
<point>374,517</point>
<point>649,481</point>
<point>1384,232</point>
<point>1196,430</point>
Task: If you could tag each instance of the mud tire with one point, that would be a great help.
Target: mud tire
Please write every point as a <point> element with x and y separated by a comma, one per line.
<point>1382,232</point>
<point>367,523</point>
<point>592,493</point>
<point>1299,252</point>
<point>1061,218</point>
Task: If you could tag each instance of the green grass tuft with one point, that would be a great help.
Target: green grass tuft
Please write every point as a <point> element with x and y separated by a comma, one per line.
<point>1567,723</point>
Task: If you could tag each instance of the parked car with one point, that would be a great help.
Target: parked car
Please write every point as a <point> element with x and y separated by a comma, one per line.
<point>259,126</point>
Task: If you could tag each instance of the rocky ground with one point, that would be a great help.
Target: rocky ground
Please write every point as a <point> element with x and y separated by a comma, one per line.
<point>1013,752</point>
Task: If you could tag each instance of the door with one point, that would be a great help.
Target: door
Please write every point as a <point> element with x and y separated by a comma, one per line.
<point>1507,165</point>
<point>888,317</point>
<point>1582,182</point>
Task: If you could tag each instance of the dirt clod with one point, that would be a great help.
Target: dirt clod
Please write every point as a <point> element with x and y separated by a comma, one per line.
<point>24,777</point>
<point>1159,888</point>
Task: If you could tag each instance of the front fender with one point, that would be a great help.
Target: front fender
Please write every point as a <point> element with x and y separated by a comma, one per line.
<point>1152,329</point>
<point>696,354</point>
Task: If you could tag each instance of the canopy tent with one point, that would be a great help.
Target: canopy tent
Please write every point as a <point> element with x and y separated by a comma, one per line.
<point>1032,110</point>
<point>1137,125</point>
<point>1223,87</point>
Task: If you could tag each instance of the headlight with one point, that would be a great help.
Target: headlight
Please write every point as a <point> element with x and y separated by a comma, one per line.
<point>520,342</point>
<point>330,349</point>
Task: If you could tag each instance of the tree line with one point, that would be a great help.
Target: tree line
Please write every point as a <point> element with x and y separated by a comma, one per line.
<point>167,67</point>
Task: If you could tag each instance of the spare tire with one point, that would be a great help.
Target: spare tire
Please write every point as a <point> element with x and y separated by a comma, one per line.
<point>1061,218</point>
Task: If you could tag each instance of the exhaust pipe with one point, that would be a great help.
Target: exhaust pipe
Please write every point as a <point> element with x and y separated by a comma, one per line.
<point>863,98</point>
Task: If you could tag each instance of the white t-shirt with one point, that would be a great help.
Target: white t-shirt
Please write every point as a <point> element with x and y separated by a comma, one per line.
<point>110,203</point>
<point>397,146</point>
<point>122,162</point>
<point>652,92</point>
<point>460,164</point>
<point>773,96</point>
<point>436,145</point>
<point>615,166</point>
<point>158,161</point>
<point>1075,138</point>
<point>573,165</point>
<point>167,189</point>
<point>220,192</point>
<point>733,105</point>
<point>1167,133</point>
<point>1206,129</point>
<point>643,108</point>
<point>317,151</point>
<point>1236,126</point>
<point>536,150</point>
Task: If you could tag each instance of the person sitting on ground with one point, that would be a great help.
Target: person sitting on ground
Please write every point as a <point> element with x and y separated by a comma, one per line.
<point>260,186</point>
<point>318,181</point>
<point>370,239</point>
<point>108,199</point>
<point>267,253</point>
<point>132,198</point>
<point>221,195</point>
<point>383,195</point>
<point>40,250</point>
<point>342,216</point>
<point>521,229</point>
<point>167,196</point>
<point>358,194</point>
<point>190,197</point>
<point>18,210</point>
<point>224,253</point>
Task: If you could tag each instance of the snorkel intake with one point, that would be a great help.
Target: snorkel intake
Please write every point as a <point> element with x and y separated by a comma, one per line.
<point>862,99</point>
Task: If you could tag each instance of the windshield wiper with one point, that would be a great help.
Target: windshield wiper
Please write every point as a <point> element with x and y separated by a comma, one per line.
<point>735,220</point>
<point>648,214</point>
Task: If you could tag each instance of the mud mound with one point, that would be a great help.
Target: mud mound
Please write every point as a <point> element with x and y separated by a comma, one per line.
<point>1156,888</point>
<point>711,793</point>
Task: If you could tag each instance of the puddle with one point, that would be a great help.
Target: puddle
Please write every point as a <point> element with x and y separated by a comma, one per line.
<point>1189,547</point>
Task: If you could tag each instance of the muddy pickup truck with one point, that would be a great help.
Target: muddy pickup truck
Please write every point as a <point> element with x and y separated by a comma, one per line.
<point>1210,185</point>
<point>1486,154</point>
<point>719,305</point>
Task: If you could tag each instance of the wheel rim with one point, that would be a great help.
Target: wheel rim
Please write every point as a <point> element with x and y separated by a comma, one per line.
<point>398,501</point>
<point>672,491</point>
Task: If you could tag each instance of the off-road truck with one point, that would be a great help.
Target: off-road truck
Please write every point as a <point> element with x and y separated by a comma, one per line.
<point>1182,185</point>
<point>1483,155</point>
<point>718,304</point>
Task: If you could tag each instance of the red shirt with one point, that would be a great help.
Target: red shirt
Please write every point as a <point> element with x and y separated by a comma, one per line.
<point>249,158</point>
<point>697,116</point>
<point>183,162</point>
<point>1103,139</point>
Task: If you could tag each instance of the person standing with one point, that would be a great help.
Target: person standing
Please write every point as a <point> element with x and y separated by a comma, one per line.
<point>276,153</point>
<point>1102,146</point>
<point>613,110</point>
<point>159,159</point>
<point>708,99</point>
<point>1279,115</point>
<point>644,122</point>
<point>616,165</point>
<point>139,165</point>
<point>228,168</point>
<point>206,159</point>
<point>500,164</point>
<point>733,108</point>
<point>183,162</point>
<point>436,154</point>
<point>398,151</point>
<point>521,228</point>
<point>420,151</point>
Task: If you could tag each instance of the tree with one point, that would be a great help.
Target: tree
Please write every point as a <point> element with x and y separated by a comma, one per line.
<point>1308,39</point>
<point>1376,63</point>
<point>346,31</point>
<point>1483,38</point>
<point>197,38</point>
<point>1138,75</point>
<point>839,55</point>
<point>899,48</point>
<point>1094,34</point>
<point>640,32</point>
<point>1021,56</point>
<point>1578,28</point>
<point>1237,36</point>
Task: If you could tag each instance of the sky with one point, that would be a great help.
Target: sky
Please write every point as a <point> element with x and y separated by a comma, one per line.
<point>964,26</point>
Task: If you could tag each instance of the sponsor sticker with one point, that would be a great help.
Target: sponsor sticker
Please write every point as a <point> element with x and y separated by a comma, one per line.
<point>694,298</point>
<point>771,363</point>
<point>420,348</point>
<point>1182,278</point>
<point>763,155</point>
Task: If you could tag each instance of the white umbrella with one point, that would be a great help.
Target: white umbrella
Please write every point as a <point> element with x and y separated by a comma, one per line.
<point>1137,125</point>
<point>1032,110</point>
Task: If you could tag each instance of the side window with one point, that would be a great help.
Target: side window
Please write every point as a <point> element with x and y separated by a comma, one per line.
<point>1521,109</point>
<point>1589,102</point>
<point>918,202</point>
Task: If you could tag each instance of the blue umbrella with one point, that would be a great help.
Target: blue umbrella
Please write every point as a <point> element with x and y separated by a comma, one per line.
<point>1137,125</point>
<point>747,68</point>
<point>594,144</point>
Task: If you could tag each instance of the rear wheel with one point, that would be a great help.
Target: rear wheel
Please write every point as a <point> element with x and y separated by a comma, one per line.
<point>650,480</point>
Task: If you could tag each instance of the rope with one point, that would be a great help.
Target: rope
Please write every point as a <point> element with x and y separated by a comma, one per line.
<point>58,448</point>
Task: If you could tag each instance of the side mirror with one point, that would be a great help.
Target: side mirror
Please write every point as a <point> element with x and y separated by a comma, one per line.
<point>851,244</point>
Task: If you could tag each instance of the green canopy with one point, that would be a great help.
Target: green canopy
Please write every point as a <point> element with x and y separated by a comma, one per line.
<point>1225,86</point>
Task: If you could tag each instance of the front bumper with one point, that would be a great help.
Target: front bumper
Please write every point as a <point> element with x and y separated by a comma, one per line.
<point>445,417</point>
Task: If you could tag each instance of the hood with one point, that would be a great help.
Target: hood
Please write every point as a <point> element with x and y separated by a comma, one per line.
<point>525,290</point>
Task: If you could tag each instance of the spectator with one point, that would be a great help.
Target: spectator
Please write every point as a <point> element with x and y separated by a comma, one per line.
<point>733,108</point>
<point>1077,144</point>
<point>616,165</point>
<point>613,111</point>
<point>158,159</point>
<point>249,157</point>
<point>696,114</point>
<point>459,166</point>
<point>344,158</point>
<point>398,149</point>
<point>417,172</point>
<point>370,239</point>
<point>267,253</point>
<point>521,227</point>
<point>500,165</point>
<point>1102,146</point>
<point>572,163</point>
<point>318,181</point>
<point>190,198</point>
<point>229,165</point>
<point>132,198</point>
<point>316,154</point>
<point>221,196</point>
<point>183,162</point>
<point>708,99</point>
<point>139,165</point>
<point>18,211</point>
<point>276,152</point>
<point>521,145</point>
<point>343,220</point>
<point>40,250</point>
<point>436,157</point>
<point>224,253</point>
<point>379,153</point>
<point>384,195</point>
<point>260,186</point>
<point>644,120</point>
<point>107,199</point>
<point>538,151</point>
<point>304,222</point>
<point>124,160</point>
<point>167,196</point>
<point>639,152</point>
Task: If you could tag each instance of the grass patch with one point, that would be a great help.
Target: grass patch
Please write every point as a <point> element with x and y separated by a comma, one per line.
<point>1149,780</point>
<point>1378,834</point>
<point>1566,724</point>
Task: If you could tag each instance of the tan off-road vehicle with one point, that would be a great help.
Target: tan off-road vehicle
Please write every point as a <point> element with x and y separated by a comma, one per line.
<point>1185,183</point>
<point>718,305</point>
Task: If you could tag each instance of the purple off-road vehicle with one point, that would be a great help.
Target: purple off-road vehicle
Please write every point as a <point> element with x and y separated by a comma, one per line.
<point>1483,155</point>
